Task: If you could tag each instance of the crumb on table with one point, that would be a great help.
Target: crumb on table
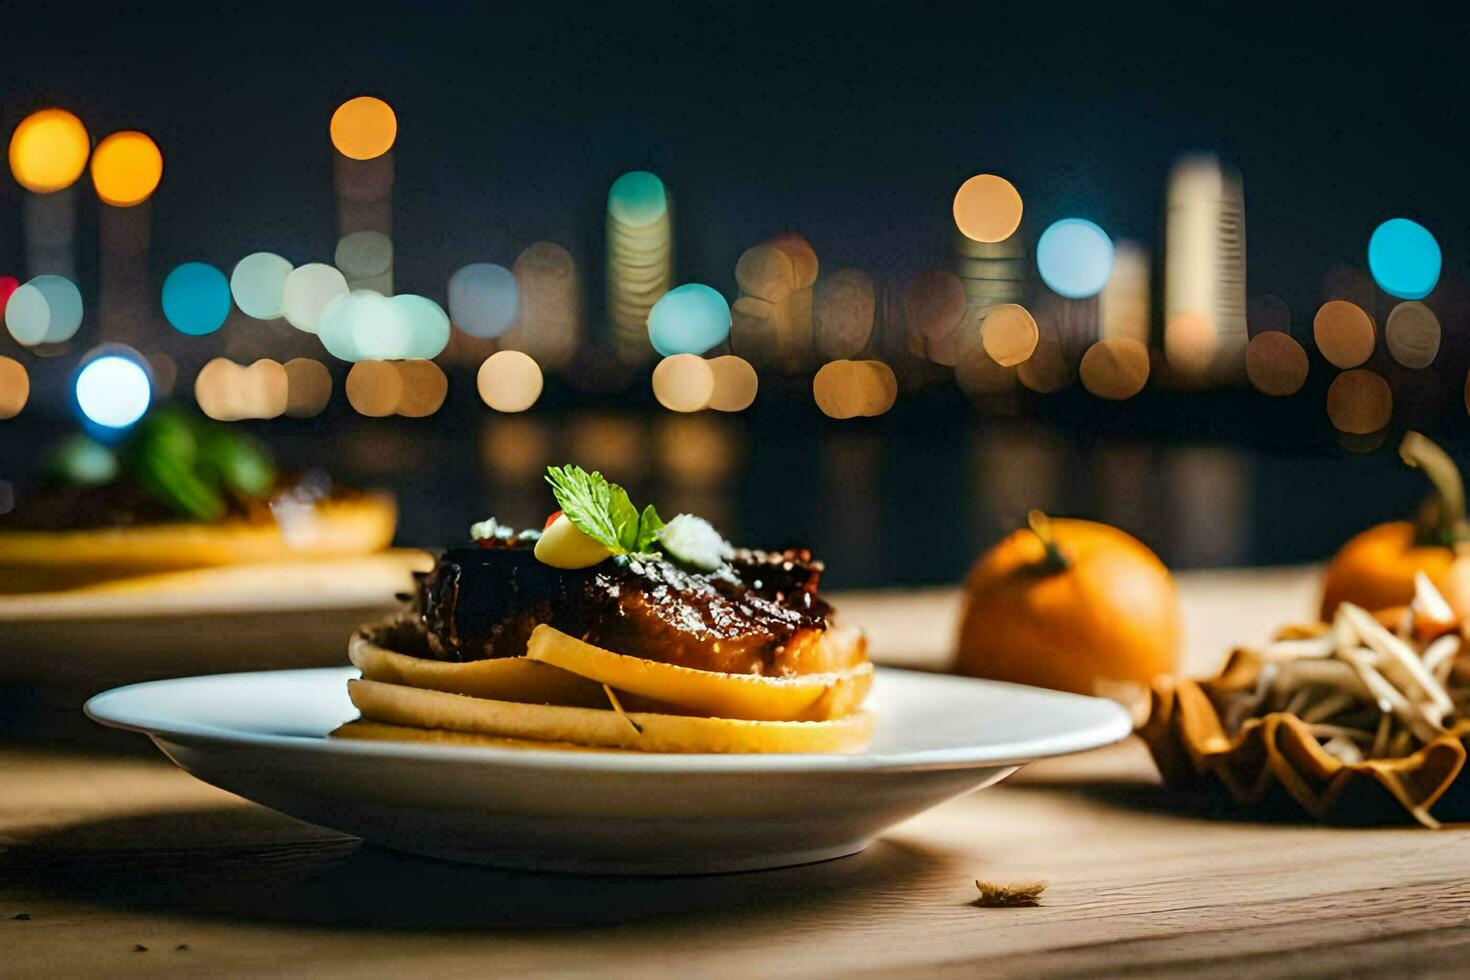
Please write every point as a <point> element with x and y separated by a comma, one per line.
<point>1015,894</point>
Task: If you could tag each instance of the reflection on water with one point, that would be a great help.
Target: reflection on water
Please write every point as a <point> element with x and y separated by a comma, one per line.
<point>909,498</point>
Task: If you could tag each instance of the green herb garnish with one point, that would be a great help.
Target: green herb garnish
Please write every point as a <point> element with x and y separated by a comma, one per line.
<point>195,468</point>
<point>602,510</point>
<point>649,526</point>
<point>82,462</point>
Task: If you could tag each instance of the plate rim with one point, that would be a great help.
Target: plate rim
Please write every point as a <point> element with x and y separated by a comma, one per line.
<point>1114,725</point>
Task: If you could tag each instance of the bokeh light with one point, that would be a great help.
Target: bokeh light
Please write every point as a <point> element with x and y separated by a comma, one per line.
<point>1115,368</point>
<point>696,453</point>
<point>230,392</point>
<point>126,168</point>
<point>975,371</point>
<point>1047,370</point>
<point>987,208</point>
<point>766,271</point>
<point>48,150</point>
<point>509,381</point>
<point>610,443</point>
<point>364,128</point>
<point>483,298</point>
<point>427,325</point>
<point>364,254</point>
<point>164,372</point>
<point>45,310</point>
<point>736,384</point>
<point>683,383</point>
<point>113,390</point>
<point>843,308</point>
<point>423,387</point>
<point>258,283</point>
<point>379,329</point>
<point>1404,258</point>
<point>1412,334</point>
<point>934,306</point>
<point>639,260</point>
<point>1191,344</point>
<point>214,388</point>
<point>1344,333</point>
<point>1276,364</point>
<point>992,272</point>
<point>15,387</point>
<point>1359,402</point>
<point>688,319</point>
<point>374,388</point>
<point>637,198</point>
<point>1009,334</point>
<point>1075,258</point>
<point>803,257</point>
<point>8,286</point>
<point>846,389</point>
<point>196,298</point>
<point>1125,305</point>
<point>363,325</point>
<point>308,387</point>
<point>549,316</point>
<point>307,292</point>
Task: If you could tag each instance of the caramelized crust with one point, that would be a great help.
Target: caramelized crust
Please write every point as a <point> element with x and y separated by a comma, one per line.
<point>760,614</point>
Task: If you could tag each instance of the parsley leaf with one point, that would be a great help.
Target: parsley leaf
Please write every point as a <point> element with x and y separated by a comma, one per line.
<point>624,517</point>
<point>599,509</point>
<point>649,526</point>
<point>586,500</point>
<point>603,511</point>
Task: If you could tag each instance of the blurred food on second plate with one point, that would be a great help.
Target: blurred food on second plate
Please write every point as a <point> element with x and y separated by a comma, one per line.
<point>182,549</point>
<point>180,494</point>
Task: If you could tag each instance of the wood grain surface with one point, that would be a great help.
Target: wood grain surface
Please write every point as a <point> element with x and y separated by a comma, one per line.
<point>105,853</point>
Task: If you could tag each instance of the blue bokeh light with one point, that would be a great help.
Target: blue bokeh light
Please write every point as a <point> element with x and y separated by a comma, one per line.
<point>196,298</point>
<point>65,302</point>
<point>1075,258</point>
<point>46,310</point>
<point>428,325</point>
<point>1404,258</point>
<point>637,198</point>
<point>483,298</point>
<point>688,319</point>
<point>113,391</point>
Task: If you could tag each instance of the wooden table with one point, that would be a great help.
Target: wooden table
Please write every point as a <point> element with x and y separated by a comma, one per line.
<point>125,865</point>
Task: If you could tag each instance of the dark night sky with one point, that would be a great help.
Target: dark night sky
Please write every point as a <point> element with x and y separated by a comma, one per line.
<point>851,123</point>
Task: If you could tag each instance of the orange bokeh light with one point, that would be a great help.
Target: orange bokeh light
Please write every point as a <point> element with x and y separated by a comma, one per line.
<point>364,128</point>
<point>126,168</point>
<point>15,387</point>
<point>48,150</point>
<point>987,208</point>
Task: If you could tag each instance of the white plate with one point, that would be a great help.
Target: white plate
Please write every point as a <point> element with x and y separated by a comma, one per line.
<point>261,735</point>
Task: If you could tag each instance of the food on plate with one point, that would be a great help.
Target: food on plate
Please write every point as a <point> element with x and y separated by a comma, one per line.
<point>1376,568</point>
<point>1071,605</point>
<point>613,629</point>
<point>1334,714</point>
<point>180,495</point>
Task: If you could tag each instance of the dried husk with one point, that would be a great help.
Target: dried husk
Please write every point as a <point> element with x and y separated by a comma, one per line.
<point>1278,755</point>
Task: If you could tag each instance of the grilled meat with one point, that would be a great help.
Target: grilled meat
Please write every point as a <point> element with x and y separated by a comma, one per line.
<point>759,614</point>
